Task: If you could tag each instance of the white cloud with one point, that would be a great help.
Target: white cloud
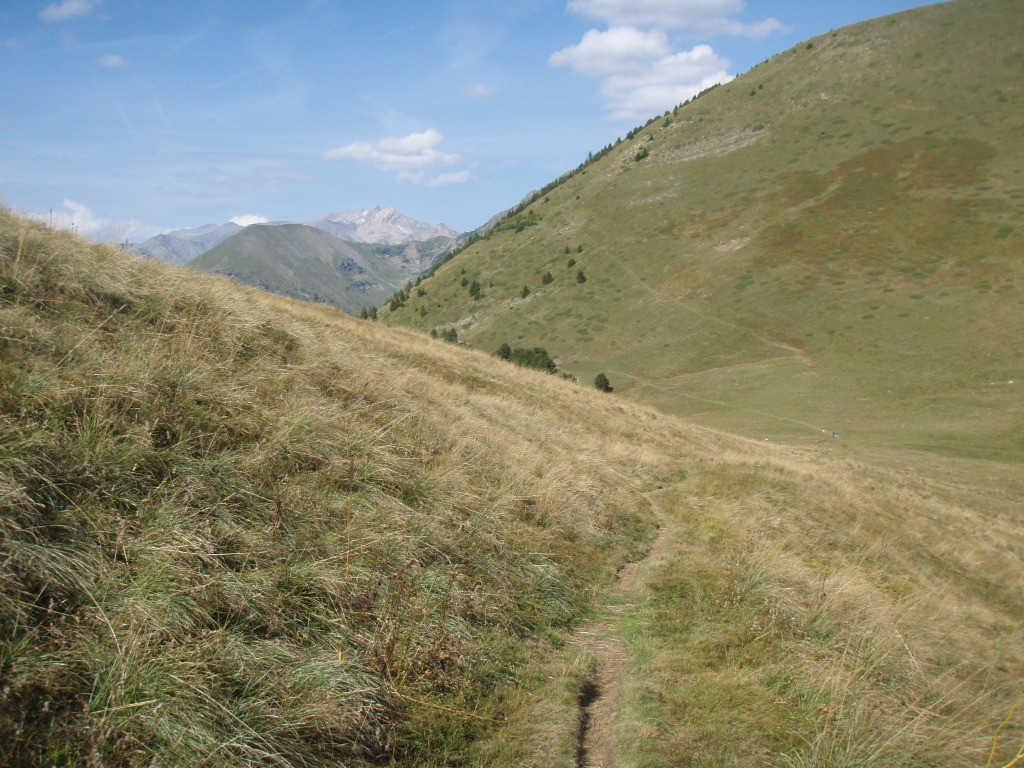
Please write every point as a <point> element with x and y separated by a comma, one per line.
<point>412,156</point>
<point>708,16</point>
<point>78,217</point>
<point>68,9</point>
<point>112,61</point>
<point>641,75</point>
<point>669,81</point>
<point>417,150</point>
<point>615,50</point>
<point>249,218</point>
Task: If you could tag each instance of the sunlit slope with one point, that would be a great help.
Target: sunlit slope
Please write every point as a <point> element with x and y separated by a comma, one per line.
<point>830,242</point>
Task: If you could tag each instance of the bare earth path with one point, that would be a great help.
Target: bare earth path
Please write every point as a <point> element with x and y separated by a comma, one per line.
<point>599,696</point>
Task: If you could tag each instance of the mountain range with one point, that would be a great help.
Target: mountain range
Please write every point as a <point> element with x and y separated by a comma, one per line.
<point>380,225</point>
<point>385,226</point>
<point>352,259</point>
<point>307,263</point>
<point>183,245</point>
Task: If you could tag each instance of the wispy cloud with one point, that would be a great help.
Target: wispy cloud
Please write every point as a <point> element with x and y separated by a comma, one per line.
<point>423,179</point>
<point>414,157</point>
<point>68,9</point>
<point>112,61</point>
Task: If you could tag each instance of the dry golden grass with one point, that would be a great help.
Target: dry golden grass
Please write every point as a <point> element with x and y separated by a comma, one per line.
<point>242,530</point>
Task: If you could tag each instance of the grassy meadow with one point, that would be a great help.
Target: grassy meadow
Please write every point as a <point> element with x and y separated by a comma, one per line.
<point>241,530</point>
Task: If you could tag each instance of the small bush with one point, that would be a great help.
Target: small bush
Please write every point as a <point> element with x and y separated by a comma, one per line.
<point>536,357</point>
<point>602,383</point>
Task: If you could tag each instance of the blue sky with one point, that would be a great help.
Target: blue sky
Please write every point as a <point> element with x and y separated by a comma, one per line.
<point>126,118</point>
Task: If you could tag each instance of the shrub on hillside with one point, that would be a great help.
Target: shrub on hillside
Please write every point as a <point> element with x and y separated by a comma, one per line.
<point>535,357</point>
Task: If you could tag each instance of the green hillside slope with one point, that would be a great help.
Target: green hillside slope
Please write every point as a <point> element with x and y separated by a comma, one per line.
<point>831,242</point>
<point>307,263</point>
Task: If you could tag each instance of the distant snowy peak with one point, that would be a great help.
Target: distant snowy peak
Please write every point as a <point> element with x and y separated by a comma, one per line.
<point>380,225</point>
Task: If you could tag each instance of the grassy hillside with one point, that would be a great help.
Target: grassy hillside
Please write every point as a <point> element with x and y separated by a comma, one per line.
<point>830,242</point>
<point>241,530</point>
<point>307,263</point>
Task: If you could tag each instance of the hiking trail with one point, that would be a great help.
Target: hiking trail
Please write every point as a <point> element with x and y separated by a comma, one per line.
<point>599,695</point>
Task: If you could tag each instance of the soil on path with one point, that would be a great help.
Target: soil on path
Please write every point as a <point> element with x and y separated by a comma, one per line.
<point>599,696</point>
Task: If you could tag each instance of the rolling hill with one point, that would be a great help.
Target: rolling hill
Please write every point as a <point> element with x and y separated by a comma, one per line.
<point>829,243</point>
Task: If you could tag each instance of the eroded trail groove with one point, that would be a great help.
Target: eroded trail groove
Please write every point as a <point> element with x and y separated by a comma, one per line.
<point>599,695</point>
